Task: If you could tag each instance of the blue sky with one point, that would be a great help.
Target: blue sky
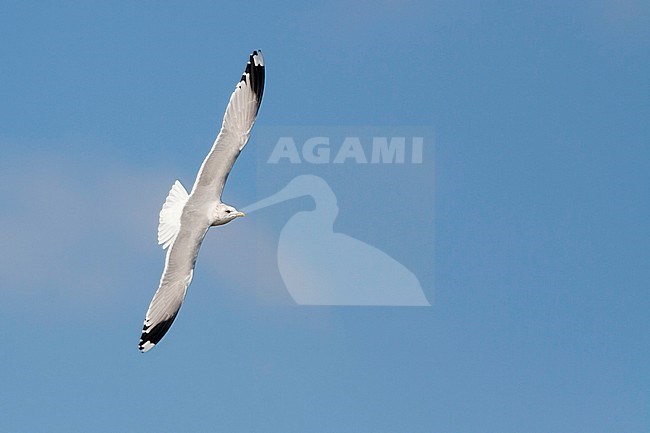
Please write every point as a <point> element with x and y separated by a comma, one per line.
<point>538,242</point>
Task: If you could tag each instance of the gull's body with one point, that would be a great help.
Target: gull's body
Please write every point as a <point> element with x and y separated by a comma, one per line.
<point>185,218</point>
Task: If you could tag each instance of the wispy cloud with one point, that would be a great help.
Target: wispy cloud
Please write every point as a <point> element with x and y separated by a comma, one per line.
<point>75,227</point>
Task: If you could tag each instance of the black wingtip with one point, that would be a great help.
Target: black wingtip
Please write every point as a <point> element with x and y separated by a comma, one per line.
<point>255,70</point>
<point>151,337</point>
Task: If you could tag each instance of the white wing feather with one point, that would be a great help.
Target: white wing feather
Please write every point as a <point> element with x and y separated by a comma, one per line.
<point>170,215</point>
<point>176,277</point>
<point>235,130</point>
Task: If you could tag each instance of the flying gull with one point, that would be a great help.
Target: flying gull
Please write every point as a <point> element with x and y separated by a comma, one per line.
<point>185,218</point>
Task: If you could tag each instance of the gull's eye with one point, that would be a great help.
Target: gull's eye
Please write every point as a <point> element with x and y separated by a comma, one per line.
<point>228,211</point>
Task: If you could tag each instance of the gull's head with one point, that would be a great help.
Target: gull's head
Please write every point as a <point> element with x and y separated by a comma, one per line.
<point>224,214</point>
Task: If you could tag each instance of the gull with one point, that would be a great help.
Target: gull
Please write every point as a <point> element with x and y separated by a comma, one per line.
<point>185,218</point>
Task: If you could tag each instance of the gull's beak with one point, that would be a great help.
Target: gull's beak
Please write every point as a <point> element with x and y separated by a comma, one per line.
<point>240,214</point>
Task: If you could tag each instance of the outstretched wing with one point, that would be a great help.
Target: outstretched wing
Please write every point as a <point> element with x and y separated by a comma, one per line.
<point>235,129</point>
<point>176,277</point>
